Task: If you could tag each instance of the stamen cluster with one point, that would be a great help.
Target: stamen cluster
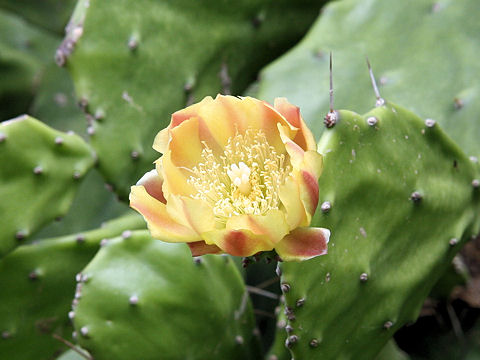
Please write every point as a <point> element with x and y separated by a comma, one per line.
<point>244,179</point>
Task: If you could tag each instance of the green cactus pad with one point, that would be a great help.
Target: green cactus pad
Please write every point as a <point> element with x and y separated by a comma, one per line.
<point>400,199</point>
<point>55,102</point>
<point>147,297</point>
<point>71,355</point>
<point>278,351</point>
<point>37,283</point>
<point>435,78</point>
<point>134,65</point>
<point>40,169</point>
<point>93,204</point>
<point>51,15</point>
<point>392,352</point>
<point>24,49</point>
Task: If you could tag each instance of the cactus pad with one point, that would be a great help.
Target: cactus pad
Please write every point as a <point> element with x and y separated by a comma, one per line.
<point>38,283</point>
<point>402,201</point>
<point>435,79</point>
<point>40,169</point>
<point>147,297</point>
<point>133,66</point>
<point>24,49</point>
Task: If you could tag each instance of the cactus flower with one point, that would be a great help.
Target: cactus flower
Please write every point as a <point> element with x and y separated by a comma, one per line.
<point>237,176</point>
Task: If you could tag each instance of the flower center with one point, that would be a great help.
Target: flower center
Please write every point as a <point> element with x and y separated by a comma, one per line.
<point>245,179</point>
<point>240,177</point>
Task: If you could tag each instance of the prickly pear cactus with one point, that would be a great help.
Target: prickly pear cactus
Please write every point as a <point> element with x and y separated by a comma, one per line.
<point>24,49</point>
<point>51,15</point>
<point>92,206</point>
<point>392,352</point>
<point>133,66</point>
<point>435,79</point>
<point>71,355</point>
<point>55,102</point>
<point>179,308</point>
<point>278,350</point>
<point>40,169</point>
<point>400,199</point>
<point>38,282</point>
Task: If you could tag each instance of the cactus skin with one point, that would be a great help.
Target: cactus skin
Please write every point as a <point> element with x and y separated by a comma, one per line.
<point>129,65</point>
<point>151,298</point>
<point>37,282</point>
<point>93,204</point>
<point>435,79</point>
<point>51,15</point>
<point>24,50</point>
<point>55,102</point>
<point>388,248</point>
<point>40,172</point>
<point>278,351</point>
<point>392,352</point>
<point>70,355</point>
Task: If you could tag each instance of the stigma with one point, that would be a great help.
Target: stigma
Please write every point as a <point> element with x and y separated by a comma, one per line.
<point>240,177</point>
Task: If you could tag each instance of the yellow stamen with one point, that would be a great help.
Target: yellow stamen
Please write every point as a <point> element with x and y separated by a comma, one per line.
<point>244,179</point>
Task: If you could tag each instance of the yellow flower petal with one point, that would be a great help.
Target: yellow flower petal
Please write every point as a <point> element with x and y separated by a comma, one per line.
<point>256,114</point>
<point>175,178</point>
<point>295,152</point>
<point>237,175</point>
<point>309,193</point>
<point>161,225</point>
<point>211,115</point>
<point>192,213</point>
<point>272,225</point>
<point>290,197</point>
<point>199,248</point>
<point>185,146</point>
<point>152,181</point>
<point>303,244</point>
<point>246,235</point>
<point>238,242</point>
<point>313,163</point>
<point>191,111</point>
<point>304,137</point>
<point>220,119</point>
<point>160,143</point>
